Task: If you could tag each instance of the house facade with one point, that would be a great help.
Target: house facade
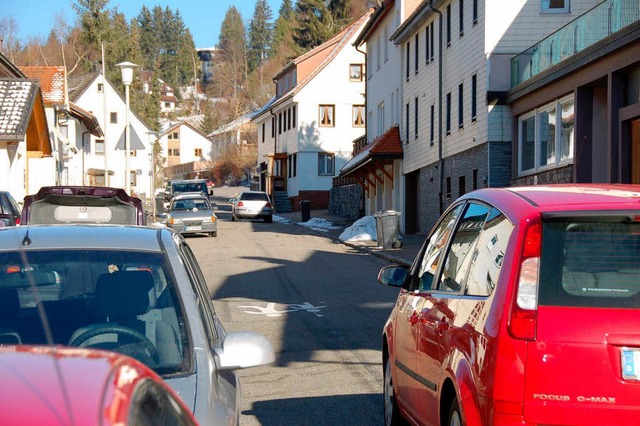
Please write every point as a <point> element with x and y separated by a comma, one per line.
<point>305,135</point>
<point>102,160</point>
<point>456,68</point>
<point>186,151</point>
<point>26,160</point>
<point>576,107</point>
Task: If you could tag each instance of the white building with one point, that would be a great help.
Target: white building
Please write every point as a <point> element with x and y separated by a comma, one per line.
<point>96,94</point>
<point>183,143</point>
<point>305,136</point>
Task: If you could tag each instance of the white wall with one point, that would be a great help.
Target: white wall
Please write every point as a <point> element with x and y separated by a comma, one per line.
<point>12,169</point>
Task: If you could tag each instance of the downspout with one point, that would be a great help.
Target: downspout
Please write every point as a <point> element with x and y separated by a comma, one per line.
<point>275,149</point>
<point>366,126</point>
<point>440,158</point>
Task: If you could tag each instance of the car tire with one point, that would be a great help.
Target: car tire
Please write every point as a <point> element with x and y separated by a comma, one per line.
<point>455,417</point>
<point>392,416</point>
<point>268,219</point>
<point>234,218</point>
<point>213,234</point>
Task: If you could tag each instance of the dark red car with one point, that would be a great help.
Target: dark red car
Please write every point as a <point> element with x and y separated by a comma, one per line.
<point>49,385</point>
<point>82,204</point>
<point>522,308</point>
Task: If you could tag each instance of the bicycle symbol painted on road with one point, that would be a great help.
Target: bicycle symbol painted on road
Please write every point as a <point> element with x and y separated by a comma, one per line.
<point>271,311</point>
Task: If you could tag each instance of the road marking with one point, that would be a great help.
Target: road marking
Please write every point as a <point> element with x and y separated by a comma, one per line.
<point>271,311</point>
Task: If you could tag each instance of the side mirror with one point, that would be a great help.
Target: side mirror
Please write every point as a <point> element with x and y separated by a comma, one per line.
<point>393,275</point>
<point>243,350</point>
<point>232,200</point>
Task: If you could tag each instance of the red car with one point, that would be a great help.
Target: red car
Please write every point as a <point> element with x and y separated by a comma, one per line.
<point>521,308</point>
<point>48,385</point>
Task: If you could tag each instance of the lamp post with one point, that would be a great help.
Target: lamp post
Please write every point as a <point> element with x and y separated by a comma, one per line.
<point>127,77</point>
<point>153,139</point>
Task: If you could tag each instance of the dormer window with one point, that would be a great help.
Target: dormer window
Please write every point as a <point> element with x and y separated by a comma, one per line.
<point>554,6</point>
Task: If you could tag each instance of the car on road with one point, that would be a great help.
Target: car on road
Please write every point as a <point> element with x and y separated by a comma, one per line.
<point>134,290</point>
<point>522,307</point>
<point>252,205</point>
<point>192,213</point>
<point>82,204</point>
<point>49,385</point>
<point>9,210</point>
<point>180,186</point>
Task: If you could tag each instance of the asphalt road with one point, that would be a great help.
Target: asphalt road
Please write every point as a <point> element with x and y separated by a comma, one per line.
<point>319,304</point>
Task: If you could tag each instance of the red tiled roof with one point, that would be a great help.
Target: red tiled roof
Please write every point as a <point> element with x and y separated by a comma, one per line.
<point>385,148</point>
<point>52,82</point>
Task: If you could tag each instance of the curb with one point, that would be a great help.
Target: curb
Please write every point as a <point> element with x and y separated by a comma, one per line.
<point>364,249</point>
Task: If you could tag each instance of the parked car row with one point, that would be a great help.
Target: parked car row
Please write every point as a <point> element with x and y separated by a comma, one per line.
<point>129,296</point>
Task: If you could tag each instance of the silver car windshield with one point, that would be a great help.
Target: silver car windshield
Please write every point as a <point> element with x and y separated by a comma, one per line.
<point>117,300</point>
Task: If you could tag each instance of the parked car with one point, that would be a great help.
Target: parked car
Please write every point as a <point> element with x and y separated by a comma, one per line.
<point>522,307</point>
<point>9,210</point>
<point>179,186</point>
<point>48,385</point>
<point>192,213</point>
<point>251,205</point>
<point>130,289</point>
<point>82,204</point>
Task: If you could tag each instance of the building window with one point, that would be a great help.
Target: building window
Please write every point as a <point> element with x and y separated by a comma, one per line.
<point>293,166</point>
<point>378,53</point>
<point>293,119</point>
<point>386,43</point>
<point>448,25</point>
<point>554,6</point>
<point>273,127</point>
<point>133,177</point>
<point>415,49</point>
<point>460,106</point>
<point>475,179</point>
<point>327,115</point>
<point>546,136</point>
<point>358,116</point>
<point>427,54</point>
<point>197,152</point>
<point>99,147</point>
<point>415,117</point>
<point>474,111</point>
<point>408,55</point>
<point>406,121</point>
<point>133,153</point>
<point>381,122</point>
<point>279,123</point>
<point>100,88</point>
<point>113,118</point>
<point>174,152</point>
<point>461,186</point>
<point>448,118</point>
<point>264,127</point>
<point>355,72</point>
<point>176,135</point>
<point>448,188</point>
<point>326,164</point>
<point>432,124</point>
<point>461,18</point>
<point>432,26</point>
<point>289,119</point>
<point>167,105</point>
<point>475,12</point>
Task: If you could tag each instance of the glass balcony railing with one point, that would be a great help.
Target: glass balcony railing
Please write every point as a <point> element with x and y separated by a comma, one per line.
<point>598,23</point>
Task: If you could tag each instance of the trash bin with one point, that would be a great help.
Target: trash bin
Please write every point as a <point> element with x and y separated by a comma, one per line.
<point>305,208</point>
<point>388,229</point>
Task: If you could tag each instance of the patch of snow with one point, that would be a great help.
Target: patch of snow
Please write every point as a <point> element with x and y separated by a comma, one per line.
<point>318,224</point>
<point>363,229</point>
<point>280,219</point>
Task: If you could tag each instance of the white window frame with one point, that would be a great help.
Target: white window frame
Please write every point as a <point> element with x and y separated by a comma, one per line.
<point>380,119</point>
<point>328,161</point>
<point>560,157</point>
<point>545,7</point>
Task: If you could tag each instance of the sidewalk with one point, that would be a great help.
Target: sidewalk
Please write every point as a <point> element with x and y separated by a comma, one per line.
<point>404,255</point>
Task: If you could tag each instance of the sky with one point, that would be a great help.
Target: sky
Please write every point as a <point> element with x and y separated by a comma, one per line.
<point>203,18</point>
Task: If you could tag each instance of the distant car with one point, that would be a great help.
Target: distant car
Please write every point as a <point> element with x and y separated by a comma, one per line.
<point>522,307</point>
<point>82,204</point>
<point>9,210</point>
<point>252,205</point>
<point>134,290</point>
<point>179,186</point>
<point>60,385</point>
<point>192,213</point>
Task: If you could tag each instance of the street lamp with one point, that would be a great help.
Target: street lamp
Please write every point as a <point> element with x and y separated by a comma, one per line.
<point>127,77</point>
<point>153,139</point>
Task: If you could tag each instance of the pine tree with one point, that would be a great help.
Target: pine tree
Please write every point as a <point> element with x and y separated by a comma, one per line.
<point>315,24</point>
<point>260,34</point>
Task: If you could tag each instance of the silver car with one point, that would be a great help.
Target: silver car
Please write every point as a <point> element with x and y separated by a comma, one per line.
<point>251,205</point>
<point>133,290</point>
<point>192,213</point>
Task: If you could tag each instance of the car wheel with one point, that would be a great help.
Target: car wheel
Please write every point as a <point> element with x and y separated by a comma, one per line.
<point>213,234</point>
<point>234,218</point>
<point>396,244</point>
<point>268,219</point>
<point>455,418</point>
<point>392,415</point>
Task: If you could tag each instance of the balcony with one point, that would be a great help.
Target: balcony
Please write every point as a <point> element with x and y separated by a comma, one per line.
<point>601,21</point>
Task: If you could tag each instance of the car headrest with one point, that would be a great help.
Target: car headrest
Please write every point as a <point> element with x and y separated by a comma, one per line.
<point>123,293</point>
<point>9,303</point>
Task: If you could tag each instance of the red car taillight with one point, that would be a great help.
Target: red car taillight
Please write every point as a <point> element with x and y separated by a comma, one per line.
<point>268,204</point>
<point>524,309</point>
<point>17,221</point>
<point>240,204</point>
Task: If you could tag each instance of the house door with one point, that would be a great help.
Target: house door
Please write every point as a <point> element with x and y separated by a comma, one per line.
<point>411,203</point>
<point>635,151</point>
